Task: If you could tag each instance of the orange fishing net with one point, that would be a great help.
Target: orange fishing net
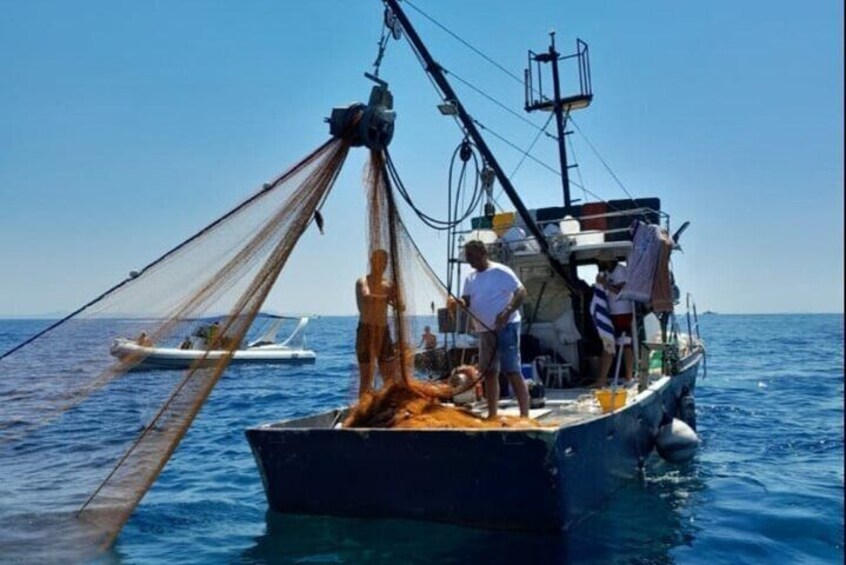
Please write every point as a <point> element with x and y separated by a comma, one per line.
<point>405,401</point>
<point>72,418</point>
<point>69,409</point>
<point>417,405</point>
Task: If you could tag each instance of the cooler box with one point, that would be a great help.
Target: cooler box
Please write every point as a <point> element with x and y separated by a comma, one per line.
<point>481,222</point>
<point>502,222</point>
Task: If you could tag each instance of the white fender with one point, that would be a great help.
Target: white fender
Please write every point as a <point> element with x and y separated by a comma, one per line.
<point>676,442</point>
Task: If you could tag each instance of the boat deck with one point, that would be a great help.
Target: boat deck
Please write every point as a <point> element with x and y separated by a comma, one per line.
<point>561,407</point>
<point>568,467</point>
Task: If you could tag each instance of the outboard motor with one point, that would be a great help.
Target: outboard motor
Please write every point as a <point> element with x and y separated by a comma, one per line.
<point>371,124</point>
<point>676,442</point>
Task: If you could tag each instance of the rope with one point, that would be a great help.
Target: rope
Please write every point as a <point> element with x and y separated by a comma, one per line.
<point>465,43</point>
<point>503,106</point>
<point>531,146</point>
<point>601,160</point>
<point>578,169</point>
<point>383,43</point>
<point>430,221</point>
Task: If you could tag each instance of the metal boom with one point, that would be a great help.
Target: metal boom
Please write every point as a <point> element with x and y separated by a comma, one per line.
<point>437,73</point>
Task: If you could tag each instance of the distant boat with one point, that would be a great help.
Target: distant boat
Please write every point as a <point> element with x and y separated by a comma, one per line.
<point>264,350</point>
<point>709,313</point>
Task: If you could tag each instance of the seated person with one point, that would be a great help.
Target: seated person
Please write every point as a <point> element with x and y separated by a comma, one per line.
<point>428,341</point>
<point>213,332</point>
<point>186,343</point>
<point>144,340</point>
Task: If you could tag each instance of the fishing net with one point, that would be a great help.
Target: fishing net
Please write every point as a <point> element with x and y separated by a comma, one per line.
<point>82,435</point>
<point>85,428</point>
<point>415,405</point>
<point>405,292</point>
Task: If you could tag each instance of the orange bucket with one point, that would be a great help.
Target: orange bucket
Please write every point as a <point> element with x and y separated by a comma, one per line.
<point>610,402</point>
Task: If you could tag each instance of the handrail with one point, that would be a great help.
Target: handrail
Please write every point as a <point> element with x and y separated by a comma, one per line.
<point>541,224</point>
<point>612,214</point>
<point>691,305</point>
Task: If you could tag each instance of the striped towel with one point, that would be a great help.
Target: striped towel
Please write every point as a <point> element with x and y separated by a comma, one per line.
<point>601,317</point>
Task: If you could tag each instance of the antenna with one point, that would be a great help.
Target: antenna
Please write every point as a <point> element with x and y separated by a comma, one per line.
<point>536,100</point>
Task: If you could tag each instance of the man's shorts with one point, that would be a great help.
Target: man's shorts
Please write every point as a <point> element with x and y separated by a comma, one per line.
<point>622,324</point>
<point>499,351</point>
<point>373,341</point>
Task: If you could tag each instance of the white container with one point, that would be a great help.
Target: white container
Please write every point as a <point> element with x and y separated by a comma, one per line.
<point>652,328</point>
<point>570,225</point>
<point>513,236</point>
<point>519,243</point>
<point>589,237</point>
<point>485,236</point>
<point>551,230</point>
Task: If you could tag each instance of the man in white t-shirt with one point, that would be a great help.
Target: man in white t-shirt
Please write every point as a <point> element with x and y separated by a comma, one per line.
<point>612,275</point>
<point>493,294</point>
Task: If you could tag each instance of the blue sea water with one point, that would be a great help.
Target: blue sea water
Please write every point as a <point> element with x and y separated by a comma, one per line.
<point>766,486</point>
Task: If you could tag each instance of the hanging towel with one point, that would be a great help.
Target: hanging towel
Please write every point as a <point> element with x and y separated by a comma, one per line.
<point>646,248</point>
<point>601,317</point>
<point>662,292</point>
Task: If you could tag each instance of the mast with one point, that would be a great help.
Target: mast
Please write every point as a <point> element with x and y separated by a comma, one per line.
<point>535,100</point>
<point>559,121</point>
<point>448,94</point>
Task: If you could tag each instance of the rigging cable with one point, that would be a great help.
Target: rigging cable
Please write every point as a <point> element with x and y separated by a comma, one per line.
<point>465,153</point>
<point>601,160</point>
<point>515,147</point>
<point>521,81</point>
<point>432,222</point>
<point>525,153</point>
<point>465,43</point>
<point>482,93</point>
<point>578,169</point>
<point>383,43</point>
<point>503,106</point>
<point>531,146</point>
<point>393,177</point>
<point>457,212</point>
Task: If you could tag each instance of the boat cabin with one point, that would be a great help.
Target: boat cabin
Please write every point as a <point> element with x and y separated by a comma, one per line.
<point>560,345</point>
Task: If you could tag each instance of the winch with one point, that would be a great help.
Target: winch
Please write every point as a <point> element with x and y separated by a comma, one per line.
<point>371,124</point>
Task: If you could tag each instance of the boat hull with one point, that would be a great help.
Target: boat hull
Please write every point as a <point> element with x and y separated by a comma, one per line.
<point>172,358</point>
<point>539,479</point>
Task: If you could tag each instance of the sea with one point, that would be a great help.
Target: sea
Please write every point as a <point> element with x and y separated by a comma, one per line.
<point>767,485</point>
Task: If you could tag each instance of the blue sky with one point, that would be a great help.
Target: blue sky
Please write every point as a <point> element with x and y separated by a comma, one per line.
<point>125,127</point>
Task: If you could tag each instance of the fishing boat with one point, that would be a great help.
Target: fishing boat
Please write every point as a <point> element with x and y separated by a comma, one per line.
<point>590,442</point>
<point>581,445</point>
<point>262,351</point>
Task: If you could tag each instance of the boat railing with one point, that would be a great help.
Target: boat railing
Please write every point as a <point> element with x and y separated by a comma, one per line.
<point>588,222</point>
<point>692,321</point>
<point>693,332</point>
<point>295,340</point>
<point>507,237</point>
<point>297,337</point>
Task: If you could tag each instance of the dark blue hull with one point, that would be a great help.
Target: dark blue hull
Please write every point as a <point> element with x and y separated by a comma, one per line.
<point>543,479</point>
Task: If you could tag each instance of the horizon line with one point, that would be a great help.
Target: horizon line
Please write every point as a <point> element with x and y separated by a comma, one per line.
<point>56,316</point>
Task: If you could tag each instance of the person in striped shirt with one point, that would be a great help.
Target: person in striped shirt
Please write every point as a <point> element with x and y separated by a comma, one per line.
<point>612,276</point>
